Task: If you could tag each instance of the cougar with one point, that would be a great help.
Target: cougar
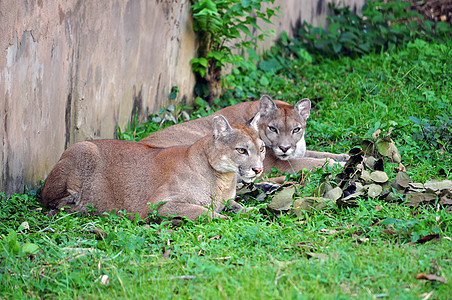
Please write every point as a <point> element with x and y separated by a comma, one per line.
<point>187,181</point>
<point>281,126</point>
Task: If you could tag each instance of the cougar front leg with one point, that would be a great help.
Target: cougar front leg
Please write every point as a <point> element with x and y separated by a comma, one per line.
<point>187,210</point>
<point>234,207</point>
<point>318,154</point>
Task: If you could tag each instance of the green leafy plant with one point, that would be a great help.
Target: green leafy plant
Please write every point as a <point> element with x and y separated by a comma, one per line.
<point>168,116</point>
<point>221,25</point>
<point>437,133</point>
<point>13,247</point>
<point>411,229</point>
<point>383,26</point>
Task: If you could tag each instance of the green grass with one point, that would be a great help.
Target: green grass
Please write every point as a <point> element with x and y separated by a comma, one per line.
<point>333,253</point>
<point>368,251</point>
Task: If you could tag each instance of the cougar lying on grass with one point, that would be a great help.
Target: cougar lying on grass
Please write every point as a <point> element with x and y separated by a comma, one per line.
<point>281,126</point>
<point>121,175</point>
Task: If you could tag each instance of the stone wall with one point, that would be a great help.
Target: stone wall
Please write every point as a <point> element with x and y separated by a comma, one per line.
<point>75,70</point>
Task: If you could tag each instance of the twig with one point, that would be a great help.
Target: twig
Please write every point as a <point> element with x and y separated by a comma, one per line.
<point>183,277</point>
<point>120,282</point>
<point>277,276</point>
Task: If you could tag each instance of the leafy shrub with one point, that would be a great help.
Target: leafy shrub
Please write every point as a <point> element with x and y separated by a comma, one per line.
<point>383,26</point>
<point>220,25</point>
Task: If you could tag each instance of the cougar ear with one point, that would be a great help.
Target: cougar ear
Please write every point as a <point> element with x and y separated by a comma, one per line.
<point>303,107</point>
<point>254,122</point>
<point>220,126</point>
<point>266,106</point>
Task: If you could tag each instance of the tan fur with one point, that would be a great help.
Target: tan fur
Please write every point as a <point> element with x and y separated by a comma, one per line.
<point>121,175</point>
<point>278,114</point>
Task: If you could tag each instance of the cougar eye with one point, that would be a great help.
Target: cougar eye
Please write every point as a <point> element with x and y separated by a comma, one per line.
<point>296,130</point>
<point>261,149</point>
<point>241,150</point>
<point>272,129</point>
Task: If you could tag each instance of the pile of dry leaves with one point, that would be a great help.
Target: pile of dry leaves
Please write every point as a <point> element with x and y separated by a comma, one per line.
<point>364,176</point>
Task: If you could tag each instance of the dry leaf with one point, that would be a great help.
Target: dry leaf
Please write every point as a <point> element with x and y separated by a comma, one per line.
<point>416,187</point>
<point>365,175</point>
<point>376,133</point>
<point>427,238</point>
<point>25,225</point>
<point>100,233</point>
<point>349,201</point>
<point>446,199</point>
<point>334,194</point>
<point>383,147</point>
<point>309,204</point>
<point>322,189</point>
<point>391,197</point>
<point>303,245</point>
<point>370,162</point>
<point>401,168</point>
<point>379,176</point>
<point>374,190</point>
<point>320,256</point>
<point>283,199</point>
<point>359,187</point>
<point>104,279</point>
<point>167,253</point>
<point>418,198</point>
<point>368,147</point>
<point>379,165</point>
<point>431,277</point>
<point>434,186</point>
<point>394,153</point>
<point>278,180</point>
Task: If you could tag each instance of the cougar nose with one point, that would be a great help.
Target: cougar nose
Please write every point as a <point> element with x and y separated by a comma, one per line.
<point>258,170</point>
<point>284,149</point>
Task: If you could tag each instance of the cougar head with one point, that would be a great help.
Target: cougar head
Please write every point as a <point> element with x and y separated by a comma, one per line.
<point>236,148</point>
<point>282,127</point>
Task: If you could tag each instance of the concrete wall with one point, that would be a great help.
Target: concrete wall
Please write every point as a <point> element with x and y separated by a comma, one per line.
<point>75,70</point>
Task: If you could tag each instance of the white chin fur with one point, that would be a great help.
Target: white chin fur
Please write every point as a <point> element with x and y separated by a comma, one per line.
<point>247,179</point>
<point>281,154</point>
<point>300,151</point>
<point>287,157</point>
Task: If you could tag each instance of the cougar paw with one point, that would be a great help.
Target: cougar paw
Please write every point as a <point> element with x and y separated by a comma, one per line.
<point>343,157</point>
<point>267,187</point>
<point>249,209</point>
